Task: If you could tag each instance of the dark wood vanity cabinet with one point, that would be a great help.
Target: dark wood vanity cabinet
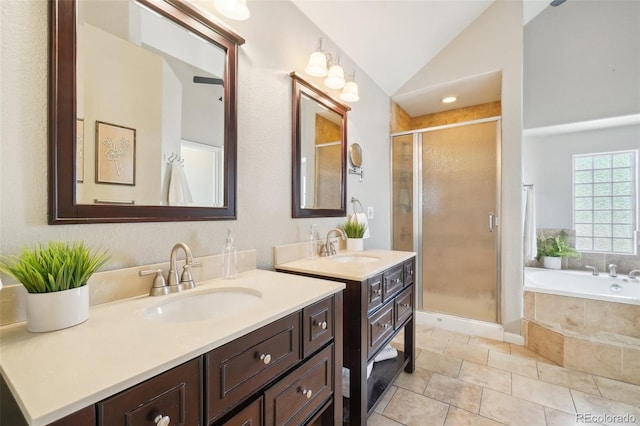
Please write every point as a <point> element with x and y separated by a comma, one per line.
<point>376,309</point>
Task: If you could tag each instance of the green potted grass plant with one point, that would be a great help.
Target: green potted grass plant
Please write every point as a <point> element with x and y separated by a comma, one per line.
<point>354,232</point>
<point>551,250</point>
<point>55,277</point>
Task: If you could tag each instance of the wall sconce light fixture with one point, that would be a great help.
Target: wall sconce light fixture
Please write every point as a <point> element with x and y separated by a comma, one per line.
<point>233,9</point>
<point>335,75</point>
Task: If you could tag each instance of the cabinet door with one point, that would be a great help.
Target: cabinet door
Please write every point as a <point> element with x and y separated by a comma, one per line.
<point>380,328</point>
<point>249,416</point>
<point>403,306</point>
<point>409,271</point>
<point>240,368</point>
<point>374,292</point>
<point>317,325</point>
<point>175,393</point>
<point>392,282</point>
<point>299,395</point>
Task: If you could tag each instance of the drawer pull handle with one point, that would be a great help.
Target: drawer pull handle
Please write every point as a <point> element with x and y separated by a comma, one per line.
<point>161,420</point>
<point>378,292</point>
<point>266,358</point>
<point>322,324</point>
<point>306,392</point>
<point>405,305</point>
<point>385,325</point>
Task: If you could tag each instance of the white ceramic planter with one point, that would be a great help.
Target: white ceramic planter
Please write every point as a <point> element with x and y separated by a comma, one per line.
<point>355,244</point>
<point>57,310</point>
<point>552,262</point>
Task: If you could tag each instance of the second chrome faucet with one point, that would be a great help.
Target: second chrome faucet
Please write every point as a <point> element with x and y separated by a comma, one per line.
<point>173,284</point>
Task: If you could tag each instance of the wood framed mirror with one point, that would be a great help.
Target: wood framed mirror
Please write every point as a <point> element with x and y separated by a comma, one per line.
<point>132,101</point>
<point>319,160</point>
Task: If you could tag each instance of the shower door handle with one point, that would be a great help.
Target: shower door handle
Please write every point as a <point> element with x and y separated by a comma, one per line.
<point>490,221</point>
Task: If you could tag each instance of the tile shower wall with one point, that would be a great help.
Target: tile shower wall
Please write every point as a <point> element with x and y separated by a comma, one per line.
<point>625,263</point>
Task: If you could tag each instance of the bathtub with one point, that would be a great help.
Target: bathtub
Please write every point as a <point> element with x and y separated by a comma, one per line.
<point>583,285</point>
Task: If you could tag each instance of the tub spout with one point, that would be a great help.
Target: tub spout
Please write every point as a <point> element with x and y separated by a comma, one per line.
<point>634,274</point>
<point>612,270</point>
<point>593,269</point>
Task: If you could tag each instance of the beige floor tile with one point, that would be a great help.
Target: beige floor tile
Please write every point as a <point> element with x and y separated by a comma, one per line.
<point>415,382</point>
<point>490,344</point>
<point>386,398</point>
<point>512,411</point>
<point>523,352</point>
<point>438,363</point>
<point>486,376</point>
<point>587,404</point>
<point>378,420</point>
<point>412,409</point>
<point>570,378</point>
<point>467,352</point>
<point>560,418</point>
<point>455,392</point>
<point>514,364</point>
<point>429,342</point>
<point>450,336</point>
<point>542,393</point>
<point>459,417</point>
<point>619,391</point>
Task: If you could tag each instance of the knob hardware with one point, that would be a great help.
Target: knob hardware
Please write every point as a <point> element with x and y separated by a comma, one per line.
<point>266,358</point>
<point>161,420</point>
<point>322,324</point>
<point>306,392</point>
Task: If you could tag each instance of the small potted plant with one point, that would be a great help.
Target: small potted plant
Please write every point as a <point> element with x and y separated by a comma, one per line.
<point>354,232</point>
<point>552,249</point>
<point>55,276</point>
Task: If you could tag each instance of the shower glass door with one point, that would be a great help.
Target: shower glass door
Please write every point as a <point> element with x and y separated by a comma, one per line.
<point>459,242</point>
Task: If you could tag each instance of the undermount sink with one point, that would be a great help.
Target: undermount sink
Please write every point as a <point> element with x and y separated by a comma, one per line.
<point>203,305</point>
<point>354,258</point>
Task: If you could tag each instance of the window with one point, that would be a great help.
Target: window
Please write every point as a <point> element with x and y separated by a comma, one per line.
<point>604,202</point>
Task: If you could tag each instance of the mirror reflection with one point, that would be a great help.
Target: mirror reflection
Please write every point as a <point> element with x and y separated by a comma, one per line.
<point>150,109</point>
<point>319,146</point>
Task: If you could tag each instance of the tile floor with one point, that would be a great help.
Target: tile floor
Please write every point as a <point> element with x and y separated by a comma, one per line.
<point>468,380</point>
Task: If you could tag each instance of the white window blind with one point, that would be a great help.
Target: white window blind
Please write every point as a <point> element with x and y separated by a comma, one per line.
<point>604,203</point>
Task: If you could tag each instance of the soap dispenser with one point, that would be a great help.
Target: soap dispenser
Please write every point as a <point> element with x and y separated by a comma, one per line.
<point>229,258</point>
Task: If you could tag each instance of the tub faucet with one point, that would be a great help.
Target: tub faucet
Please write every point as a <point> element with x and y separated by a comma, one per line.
<point>186,280</point>
<point>612,270</point>
<point>593,269</point>
<point>634,274</point>
<point>328,248</point>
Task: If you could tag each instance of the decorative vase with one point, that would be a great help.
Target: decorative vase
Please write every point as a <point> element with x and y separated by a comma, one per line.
<point>58,309</point>
<point>552,262</point>
<point>355,244</point>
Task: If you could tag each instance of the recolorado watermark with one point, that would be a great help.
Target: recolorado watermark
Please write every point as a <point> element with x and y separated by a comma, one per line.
<point>606,418</point>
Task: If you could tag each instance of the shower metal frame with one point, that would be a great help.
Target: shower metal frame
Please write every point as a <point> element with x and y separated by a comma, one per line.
<point>417,201</point>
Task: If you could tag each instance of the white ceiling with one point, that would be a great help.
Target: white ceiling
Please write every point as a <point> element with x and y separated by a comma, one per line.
<point>391,40</point>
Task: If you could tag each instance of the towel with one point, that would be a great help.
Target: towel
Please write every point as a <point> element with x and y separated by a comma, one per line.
<point>361,218</point>
<point>345,378</point>
<point>388,352</point>
<point>529,234</point>
<point>179,192</point>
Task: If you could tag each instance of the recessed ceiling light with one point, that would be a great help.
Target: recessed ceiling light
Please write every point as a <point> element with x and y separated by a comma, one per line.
<point>449,99</point>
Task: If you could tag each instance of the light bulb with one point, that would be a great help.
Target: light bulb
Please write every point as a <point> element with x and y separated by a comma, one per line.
<point>317,66</point>
<point>350,92</point>
<point>233,9</point>
<point>335,77</point>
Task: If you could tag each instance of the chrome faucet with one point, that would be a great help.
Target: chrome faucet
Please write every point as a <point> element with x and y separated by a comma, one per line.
<point>593,269</point>
<point>634,274</point>
<point>328,248</point>
<point>186,280</point>
<point>612,270</point>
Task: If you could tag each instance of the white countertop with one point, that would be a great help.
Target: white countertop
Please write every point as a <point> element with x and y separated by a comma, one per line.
<point>55,374</point>
<point>329,267</point>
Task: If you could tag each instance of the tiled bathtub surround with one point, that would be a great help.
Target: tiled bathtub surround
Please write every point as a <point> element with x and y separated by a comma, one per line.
<point>593,336</point>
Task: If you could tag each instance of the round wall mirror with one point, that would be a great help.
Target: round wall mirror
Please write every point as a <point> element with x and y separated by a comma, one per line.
<point>355,155</point>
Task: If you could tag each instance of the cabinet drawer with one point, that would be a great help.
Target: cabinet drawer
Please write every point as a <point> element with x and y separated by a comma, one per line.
<point>175,393</point>
<point>298,396</point>
<point>374,292</point>
<point>409,272</point>
<point>403,306</point>
<point>249,416</point>
<point>317,323</point>
<point>240,368</point>
<point>380,327</point>
<point>392,282</point>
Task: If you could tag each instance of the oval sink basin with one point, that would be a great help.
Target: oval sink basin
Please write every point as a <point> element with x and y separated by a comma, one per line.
<point>354,258</point>
<point>205,305</point>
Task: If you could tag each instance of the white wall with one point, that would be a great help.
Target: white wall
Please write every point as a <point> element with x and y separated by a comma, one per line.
<point>279,40</point>
<point>494,42</point>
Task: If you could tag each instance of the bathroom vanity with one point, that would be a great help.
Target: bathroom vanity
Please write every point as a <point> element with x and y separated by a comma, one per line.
<point>268,359</point>
<point>378,305</point>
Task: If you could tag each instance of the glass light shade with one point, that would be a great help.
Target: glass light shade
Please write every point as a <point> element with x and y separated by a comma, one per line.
<point>317,66</point>
<point>233,9</point>
<point>350,92</point>
<point>335,77</point>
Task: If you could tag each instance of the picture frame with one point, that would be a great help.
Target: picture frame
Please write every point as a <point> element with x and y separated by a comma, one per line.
<point>80,150</point>
<point>115,154</point>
